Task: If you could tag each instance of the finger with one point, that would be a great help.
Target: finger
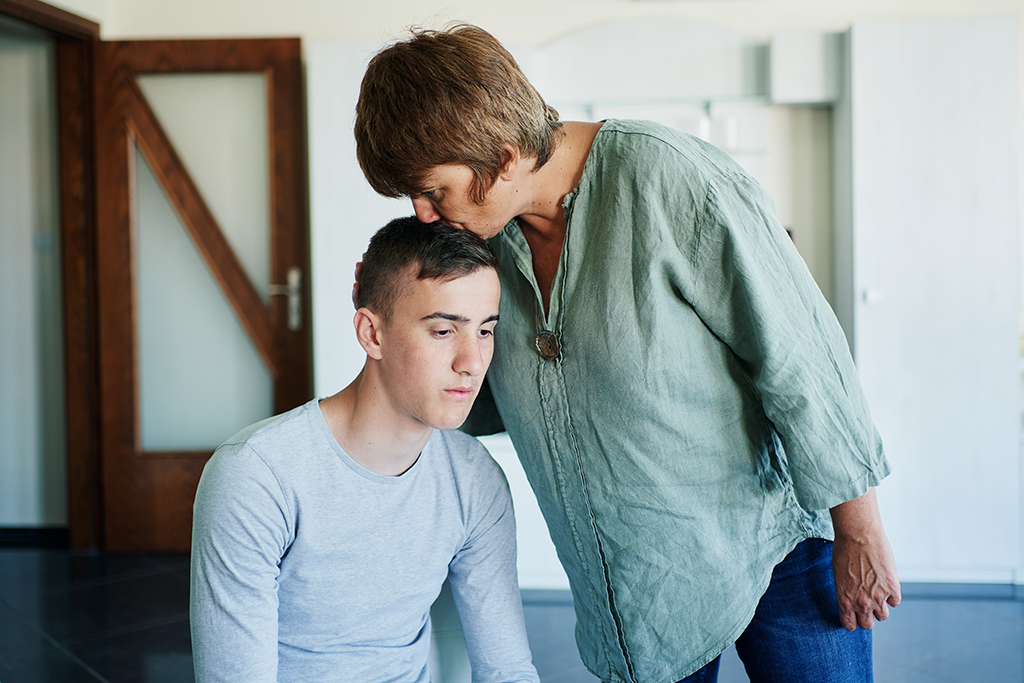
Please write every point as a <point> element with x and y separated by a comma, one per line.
<point>865,620</point>
<point>355,285</point>
<point>882,612</point>
<point>847,618</point>
<point>895,596</point>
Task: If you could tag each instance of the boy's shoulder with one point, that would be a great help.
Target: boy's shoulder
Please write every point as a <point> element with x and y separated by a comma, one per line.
<point>269,428</point>
<point>278,441</point>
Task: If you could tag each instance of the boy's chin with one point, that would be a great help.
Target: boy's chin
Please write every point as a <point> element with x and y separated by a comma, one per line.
<point>451,421</point>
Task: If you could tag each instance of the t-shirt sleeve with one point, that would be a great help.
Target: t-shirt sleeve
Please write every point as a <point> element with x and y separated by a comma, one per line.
<point>239,534</point>
<point>484,581</point>
<point>750,287</point>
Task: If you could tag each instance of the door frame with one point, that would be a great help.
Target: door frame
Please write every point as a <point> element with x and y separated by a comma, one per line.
<point>74,40</point>
<point>148,494</point>
<point>76,45</point>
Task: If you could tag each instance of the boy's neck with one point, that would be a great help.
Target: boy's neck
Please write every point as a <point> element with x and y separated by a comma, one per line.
<point>364,423</point>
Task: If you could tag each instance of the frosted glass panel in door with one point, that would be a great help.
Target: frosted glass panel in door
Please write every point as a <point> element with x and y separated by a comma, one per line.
<point>200,377</point>
<point>217,123</point>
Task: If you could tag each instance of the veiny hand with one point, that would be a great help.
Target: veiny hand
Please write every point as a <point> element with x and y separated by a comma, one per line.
<point>867,583</point>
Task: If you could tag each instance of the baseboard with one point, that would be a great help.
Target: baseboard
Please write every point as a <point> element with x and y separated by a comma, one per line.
<point>962,591</point>
<point>912,590</point>
<point>34,537</point>
<point>545,596</point>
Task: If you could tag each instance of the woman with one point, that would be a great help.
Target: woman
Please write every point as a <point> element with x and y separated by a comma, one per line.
<point>678,390</point>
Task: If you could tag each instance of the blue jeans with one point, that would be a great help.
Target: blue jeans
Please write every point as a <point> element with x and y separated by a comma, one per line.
<point>795,636</point>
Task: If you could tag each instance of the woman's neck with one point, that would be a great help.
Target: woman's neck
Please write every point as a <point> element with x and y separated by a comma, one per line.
<point>549,184</point>
<point>543,224</point>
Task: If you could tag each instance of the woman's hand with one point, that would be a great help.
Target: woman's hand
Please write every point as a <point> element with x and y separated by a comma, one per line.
<point>355,285</point>
<point>867,582</point>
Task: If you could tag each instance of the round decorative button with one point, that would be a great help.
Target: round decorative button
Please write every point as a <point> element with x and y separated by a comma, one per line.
<point>547,345</point>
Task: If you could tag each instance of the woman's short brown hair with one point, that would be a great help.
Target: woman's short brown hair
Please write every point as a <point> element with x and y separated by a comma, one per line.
<point>447,97</point>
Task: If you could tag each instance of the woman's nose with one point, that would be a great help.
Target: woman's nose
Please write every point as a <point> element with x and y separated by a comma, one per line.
<point>424,210</point>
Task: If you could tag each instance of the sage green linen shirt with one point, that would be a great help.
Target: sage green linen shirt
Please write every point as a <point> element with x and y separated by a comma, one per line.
<point>702,414</point>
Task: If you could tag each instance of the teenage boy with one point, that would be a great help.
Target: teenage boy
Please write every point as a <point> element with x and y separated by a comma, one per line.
<point>322,536</point>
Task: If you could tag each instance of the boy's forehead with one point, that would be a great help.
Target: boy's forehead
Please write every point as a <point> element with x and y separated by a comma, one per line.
<point>462,295</point>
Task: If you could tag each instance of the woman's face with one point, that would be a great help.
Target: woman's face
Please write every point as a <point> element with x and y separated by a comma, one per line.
<point>446,198</point>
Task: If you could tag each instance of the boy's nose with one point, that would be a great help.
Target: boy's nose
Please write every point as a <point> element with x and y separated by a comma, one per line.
<point>470,360</point>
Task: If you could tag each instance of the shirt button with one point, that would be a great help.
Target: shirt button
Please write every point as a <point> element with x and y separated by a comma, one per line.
<point>547,345</point>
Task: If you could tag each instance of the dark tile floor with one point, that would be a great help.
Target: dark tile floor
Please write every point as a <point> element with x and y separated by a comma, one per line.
<point>68,619</point>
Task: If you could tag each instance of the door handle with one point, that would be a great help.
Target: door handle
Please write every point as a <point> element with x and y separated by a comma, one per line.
<point>292,290</point>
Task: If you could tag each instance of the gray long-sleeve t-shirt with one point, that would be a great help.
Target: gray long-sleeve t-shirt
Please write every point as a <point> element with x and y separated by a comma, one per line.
<point>308,567</point>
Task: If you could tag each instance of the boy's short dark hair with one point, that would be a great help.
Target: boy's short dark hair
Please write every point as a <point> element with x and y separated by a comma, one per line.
<point>435,251</point>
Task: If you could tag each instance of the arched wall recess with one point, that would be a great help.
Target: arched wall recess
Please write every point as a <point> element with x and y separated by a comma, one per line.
<point>699,78</point>
<point>652,60</point>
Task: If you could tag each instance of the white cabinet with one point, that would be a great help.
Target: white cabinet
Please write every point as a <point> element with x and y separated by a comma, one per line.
<point>927,262</point>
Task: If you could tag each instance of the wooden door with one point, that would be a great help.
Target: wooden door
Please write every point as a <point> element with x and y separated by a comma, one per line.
<point>149,481</point>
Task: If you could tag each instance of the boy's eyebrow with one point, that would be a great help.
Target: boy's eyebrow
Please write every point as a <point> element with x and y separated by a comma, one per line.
<point>461,319</point>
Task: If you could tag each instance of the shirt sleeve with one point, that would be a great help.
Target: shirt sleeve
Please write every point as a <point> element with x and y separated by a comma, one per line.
<point>239,534</point>
<point>751,288</point>
<point>485,584</point>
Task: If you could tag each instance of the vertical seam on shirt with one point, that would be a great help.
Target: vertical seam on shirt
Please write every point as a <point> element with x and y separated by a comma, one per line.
<point>616,621</point>
<point>592,518</point>
<point>700,225</point>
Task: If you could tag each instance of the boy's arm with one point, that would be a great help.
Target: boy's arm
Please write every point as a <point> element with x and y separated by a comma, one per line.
<point>239,534</point>
<point>485,586</point>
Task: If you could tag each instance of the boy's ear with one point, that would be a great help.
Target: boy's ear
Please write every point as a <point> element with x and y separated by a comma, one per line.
<point>368,332</point>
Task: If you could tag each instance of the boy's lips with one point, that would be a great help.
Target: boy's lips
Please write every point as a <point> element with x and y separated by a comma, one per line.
<point>460,392</point>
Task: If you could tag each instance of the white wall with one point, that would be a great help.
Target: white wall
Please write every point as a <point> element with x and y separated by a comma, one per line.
<point>934,261</point>
<point>799,178</point>
<point>344,210</point>
<point>320,20</point>
<point>32,478</point>
<point>797,138</point>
